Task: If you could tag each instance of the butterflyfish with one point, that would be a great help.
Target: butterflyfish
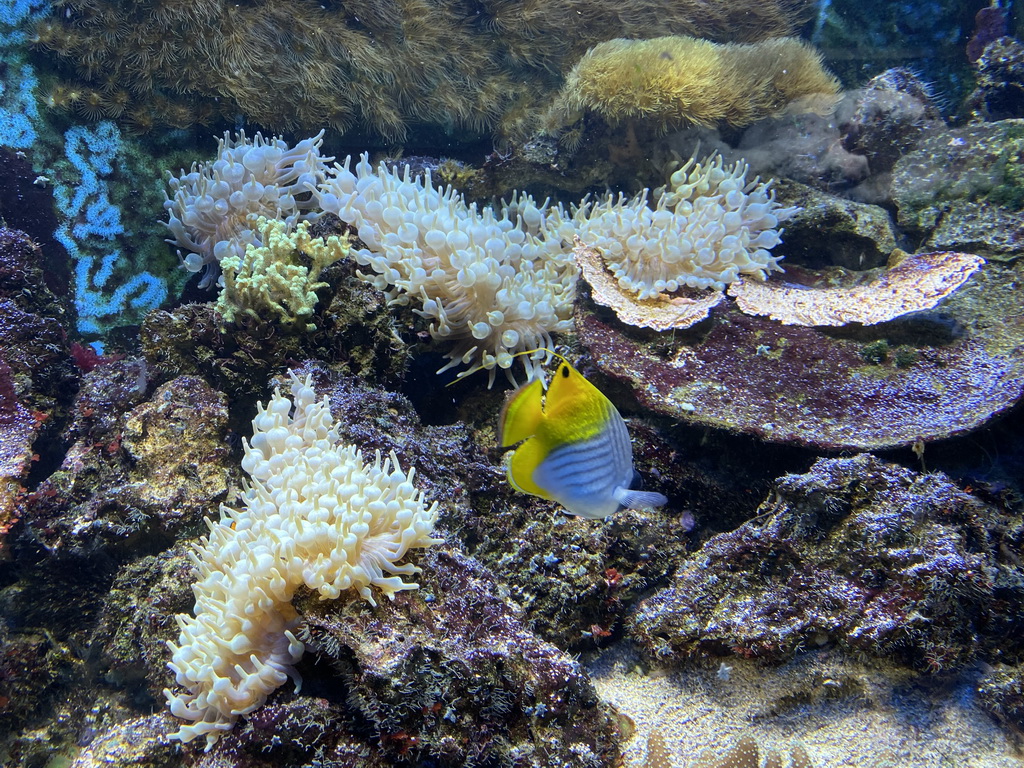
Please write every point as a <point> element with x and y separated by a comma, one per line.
<point>574,447</point>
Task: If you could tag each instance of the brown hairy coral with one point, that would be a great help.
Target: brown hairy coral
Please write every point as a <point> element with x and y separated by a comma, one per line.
<point>377,65</point>
<point>682,80</point>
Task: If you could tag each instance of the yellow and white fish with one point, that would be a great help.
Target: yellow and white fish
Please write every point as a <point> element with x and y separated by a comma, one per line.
<point>575,448</point>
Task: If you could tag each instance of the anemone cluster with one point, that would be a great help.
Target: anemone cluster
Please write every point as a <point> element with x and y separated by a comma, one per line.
<point>212,208</point>
<point>495,283</point>
<point>707,229</point>
<point>315,516</point>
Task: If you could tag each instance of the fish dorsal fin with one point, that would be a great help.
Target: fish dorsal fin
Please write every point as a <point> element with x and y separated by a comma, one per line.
<point>524,461</point>
<point>521,414</point>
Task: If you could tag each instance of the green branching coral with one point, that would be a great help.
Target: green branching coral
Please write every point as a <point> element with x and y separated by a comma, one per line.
<point>280,278</point>
<point>373,65</point>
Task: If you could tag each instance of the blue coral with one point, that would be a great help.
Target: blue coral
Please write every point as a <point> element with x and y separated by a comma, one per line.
<point>18,110</point>
<point>92,221</point>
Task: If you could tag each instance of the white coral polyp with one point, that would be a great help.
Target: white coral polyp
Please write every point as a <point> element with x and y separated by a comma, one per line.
<point>495,284</point>
<point>213,208</point>
<point>708,228</point>
<point>315,515</point>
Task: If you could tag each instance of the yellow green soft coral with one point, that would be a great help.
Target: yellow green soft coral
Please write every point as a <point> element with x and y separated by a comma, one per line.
<point>279,278</point>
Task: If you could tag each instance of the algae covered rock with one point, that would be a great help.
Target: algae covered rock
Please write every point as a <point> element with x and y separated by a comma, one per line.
<point>924,376</point>
<point>138,469</point>
<point>963,189</point>
<point>451,673</point>
<point>177,443</point>
<point>890,115</point>
<point>857,552</point>
<point>1000,79</point>
<point>861,236</point>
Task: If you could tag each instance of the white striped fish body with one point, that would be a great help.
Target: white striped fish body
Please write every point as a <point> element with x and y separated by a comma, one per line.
<point>574,447</point>
<point>584,477</point>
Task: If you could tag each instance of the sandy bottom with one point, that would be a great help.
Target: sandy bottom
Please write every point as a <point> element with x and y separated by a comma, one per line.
<point>843,712</point>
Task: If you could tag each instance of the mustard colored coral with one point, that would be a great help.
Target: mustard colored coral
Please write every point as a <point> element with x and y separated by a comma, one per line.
<point>279,278</point>
<point>315,515</point>
<point>679,80</point>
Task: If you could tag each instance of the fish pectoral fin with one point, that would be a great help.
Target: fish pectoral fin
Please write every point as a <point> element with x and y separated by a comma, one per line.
<point>521,414</point>
<point>639,499</point>
<point>525,459</point>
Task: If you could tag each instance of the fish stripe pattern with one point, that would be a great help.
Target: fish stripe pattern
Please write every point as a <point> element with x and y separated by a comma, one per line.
<point>586,473</point>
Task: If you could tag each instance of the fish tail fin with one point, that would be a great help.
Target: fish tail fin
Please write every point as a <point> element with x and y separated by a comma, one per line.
<point>639,499</point>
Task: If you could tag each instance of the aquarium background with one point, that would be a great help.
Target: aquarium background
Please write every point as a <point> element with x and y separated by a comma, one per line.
<point>275,277</point>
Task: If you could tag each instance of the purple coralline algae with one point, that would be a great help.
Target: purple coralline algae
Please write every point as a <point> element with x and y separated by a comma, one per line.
<point>37,376</point>
<point>451,673</point>
<point>922,377</point>
<point>136,472</point>
<point>857,552</point>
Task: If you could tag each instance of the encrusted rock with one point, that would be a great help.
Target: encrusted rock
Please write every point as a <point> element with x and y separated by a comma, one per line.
<point>858,552</point>
<point>860,236</point>
<point>1001,692</point>
<point>134,467</point>
<point>135,742</point>
<point>450,673</point>
<point>922,377</point>
<point>176,441</point>
<point>963,189</point>
<point>1000,80</point>
<point>891,114</point>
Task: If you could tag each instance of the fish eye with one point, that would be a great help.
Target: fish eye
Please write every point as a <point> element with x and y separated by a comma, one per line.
<point>565,371</point>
